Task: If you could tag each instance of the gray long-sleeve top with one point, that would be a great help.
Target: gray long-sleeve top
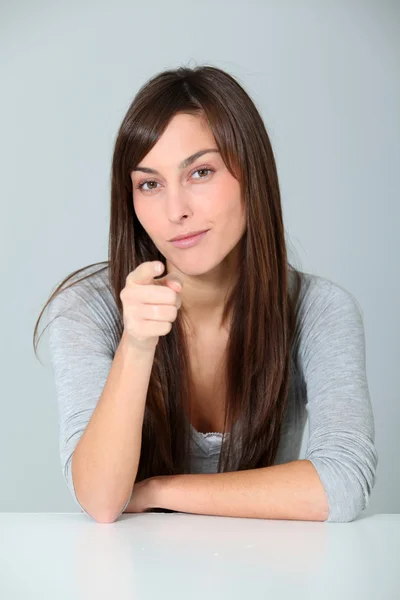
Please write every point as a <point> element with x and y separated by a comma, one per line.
<point>329,387</point>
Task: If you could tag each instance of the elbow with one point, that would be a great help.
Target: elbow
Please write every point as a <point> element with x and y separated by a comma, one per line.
<point>111,517</point>
<point>101,516</point>
<point>347,509</point>
<point>104,516</point>
<point>106,519</point>
<point>98,514</point>
<point>348,485</point>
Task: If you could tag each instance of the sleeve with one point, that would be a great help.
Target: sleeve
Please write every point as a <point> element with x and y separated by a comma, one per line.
<point>81,359</point>
<point>341,423</point>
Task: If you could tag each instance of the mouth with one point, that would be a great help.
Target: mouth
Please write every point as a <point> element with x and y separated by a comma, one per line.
<point>189,235</point>
<point>190,241</point>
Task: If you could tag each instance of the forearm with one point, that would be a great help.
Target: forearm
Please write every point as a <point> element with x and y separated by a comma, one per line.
<point>290,491</point>
<point>105,461</point>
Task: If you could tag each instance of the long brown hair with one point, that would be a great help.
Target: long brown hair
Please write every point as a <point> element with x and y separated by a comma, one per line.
<point>260,307</point>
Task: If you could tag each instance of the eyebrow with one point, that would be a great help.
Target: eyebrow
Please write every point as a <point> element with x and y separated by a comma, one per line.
<point>185,163</point>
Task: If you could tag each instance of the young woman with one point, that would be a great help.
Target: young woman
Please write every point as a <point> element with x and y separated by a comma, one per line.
<point>190,392</point>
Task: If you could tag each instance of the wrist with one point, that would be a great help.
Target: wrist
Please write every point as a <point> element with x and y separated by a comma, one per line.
<point>155,494</point>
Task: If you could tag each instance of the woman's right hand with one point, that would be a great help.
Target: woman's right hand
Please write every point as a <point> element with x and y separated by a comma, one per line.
<point>149,307</point>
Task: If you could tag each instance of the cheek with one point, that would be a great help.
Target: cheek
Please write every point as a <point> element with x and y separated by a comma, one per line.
<point>142,216</point>
<point>150,220</point>
<point>227,205</point>
<point>142,212</point>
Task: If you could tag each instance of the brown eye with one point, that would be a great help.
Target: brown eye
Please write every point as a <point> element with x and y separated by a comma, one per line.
<point>141,184</point>
<point>198,170</point>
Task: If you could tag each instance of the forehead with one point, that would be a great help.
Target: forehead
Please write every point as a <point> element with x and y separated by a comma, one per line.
<point>185,139</point>
<point>182,134</point>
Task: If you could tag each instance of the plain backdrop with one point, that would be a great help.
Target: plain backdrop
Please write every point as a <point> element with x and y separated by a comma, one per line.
<point>325,77</point>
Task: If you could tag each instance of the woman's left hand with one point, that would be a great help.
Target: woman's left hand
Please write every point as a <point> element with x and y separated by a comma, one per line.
<point>143,496</point>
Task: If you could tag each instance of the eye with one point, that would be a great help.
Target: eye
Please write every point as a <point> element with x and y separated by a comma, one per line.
<point>203,169</point>
<point>140,185</point>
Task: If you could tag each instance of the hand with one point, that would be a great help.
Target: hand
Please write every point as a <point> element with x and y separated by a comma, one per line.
<point>143,496</point>
<point>150,306</point>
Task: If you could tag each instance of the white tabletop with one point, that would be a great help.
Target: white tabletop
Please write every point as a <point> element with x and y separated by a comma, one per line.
<point>147,556</point>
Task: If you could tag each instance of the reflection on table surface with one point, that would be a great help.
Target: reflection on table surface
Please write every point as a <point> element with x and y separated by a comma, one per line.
<point>179,555</point>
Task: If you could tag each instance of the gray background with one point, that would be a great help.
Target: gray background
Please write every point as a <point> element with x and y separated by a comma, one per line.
<point>325,77</point>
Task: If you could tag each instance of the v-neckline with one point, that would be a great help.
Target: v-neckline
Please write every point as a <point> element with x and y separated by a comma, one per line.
<point>208,434</point>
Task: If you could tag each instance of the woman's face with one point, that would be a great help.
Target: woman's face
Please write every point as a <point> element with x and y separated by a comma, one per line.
<point>201,195</point>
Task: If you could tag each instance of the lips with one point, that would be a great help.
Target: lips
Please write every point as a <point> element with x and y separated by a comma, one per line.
<point>190,235</point>
<point>191,241</point>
